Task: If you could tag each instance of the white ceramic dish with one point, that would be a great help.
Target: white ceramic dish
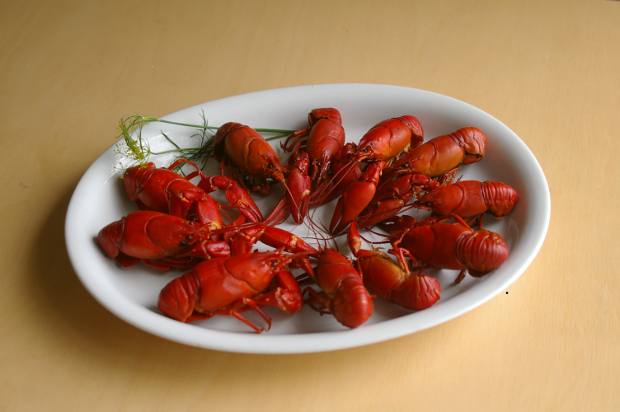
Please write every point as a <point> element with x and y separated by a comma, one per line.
<point>131,294</point>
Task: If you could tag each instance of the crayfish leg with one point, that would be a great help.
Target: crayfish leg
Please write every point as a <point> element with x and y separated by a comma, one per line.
<point>235,312</point>
<point>199,316</point>
<point>293,141</point>
<point>253,305</point>
<point>460,277</point>
<point>157,265</point>
<point>476,221</point>
<point>125,261</point>
<point>449,177</point>
<point>319,301</point>
<point>141,205</point>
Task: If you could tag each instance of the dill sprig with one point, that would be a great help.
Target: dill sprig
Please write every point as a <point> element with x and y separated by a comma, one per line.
<point>142,119</point>
<point>201,153</point>
<point>139,150</point>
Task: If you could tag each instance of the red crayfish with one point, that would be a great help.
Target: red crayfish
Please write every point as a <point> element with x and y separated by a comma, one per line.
<point>246,149</point>
<point>163,190</point>
<point>321,140</point>
<point>437,243</point>
<point>314,148</point>
<point>230,285</point>
<point>342,291</point>
<point>392,281</point>
<point>159,239</point>
<point>444,153</point>
<point>470,198</point>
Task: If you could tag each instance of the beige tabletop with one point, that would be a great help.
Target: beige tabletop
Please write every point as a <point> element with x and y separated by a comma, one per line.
<point>550,70</point>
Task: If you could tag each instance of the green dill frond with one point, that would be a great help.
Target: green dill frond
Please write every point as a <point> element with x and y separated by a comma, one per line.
<point>134,148</point>
<point>137,148</point>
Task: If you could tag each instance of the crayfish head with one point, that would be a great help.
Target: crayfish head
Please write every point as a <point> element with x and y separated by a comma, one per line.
<point>134,177</point>
<point>397,225</point>
<point>220,137</point>
<point>277,261</point>
<point>272,168</point>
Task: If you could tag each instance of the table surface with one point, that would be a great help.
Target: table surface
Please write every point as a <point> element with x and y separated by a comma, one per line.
<point>550,70</point>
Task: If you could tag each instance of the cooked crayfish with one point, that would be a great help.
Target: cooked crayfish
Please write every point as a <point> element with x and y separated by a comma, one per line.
<point>471,198</point>
<point>159,239</point>
<point>436,243</point>
<point>164,190</point>
<point>389,138</point>
<point>246,149</point>
<point>342,291</point>
<point>391,281</point>
<point>322,140</point>
<point>443,153</point>
<point>231,285</point>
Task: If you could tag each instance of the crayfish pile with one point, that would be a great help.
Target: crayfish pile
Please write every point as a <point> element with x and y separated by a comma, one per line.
<point>179,225</point>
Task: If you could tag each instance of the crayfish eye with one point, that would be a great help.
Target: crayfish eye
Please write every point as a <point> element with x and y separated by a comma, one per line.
<point>276,262</point>
<point>188,240</point>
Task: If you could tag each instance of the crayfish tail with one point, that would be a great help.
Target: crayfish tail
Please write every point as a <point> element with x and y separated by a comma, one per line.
<point>110,238</point>
<point>417,292</point>
<point>352,305</point>
<point>482,251</point>
<point>278,215</point>
<point>178,298</point>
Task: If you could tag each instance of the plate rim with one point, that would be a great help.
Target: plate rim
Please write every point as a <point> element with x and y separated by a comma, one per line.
<point>144,319</point>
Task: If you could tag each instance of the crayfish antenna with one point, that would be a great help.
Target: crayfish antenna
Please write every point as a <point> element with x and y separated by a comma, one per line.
<point>293,141</point>
<point>278,215</point>
<point>459,278</point>
<point>319,230</point>
<point>324,190</point>
<point>320,233</point>
<point>376,233</point>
